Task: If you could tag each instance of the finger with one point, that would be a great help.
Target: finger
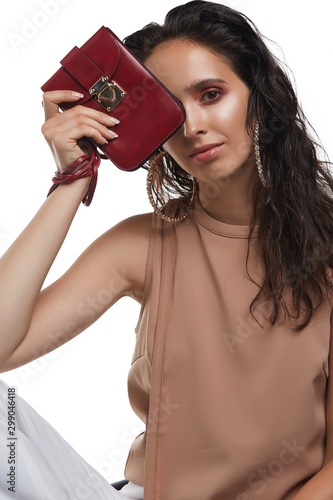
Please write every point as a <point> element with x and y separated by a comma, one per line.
<point>77,133</point>
<point>76,121</point>
<point>64,121</point>
<point>52,99</point>
<point>99,116</point>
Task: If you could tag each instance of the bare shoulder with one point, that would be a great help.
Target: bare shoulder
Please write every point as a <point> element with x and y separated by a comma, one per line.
<point>123,249</point>
<point>134,230</point>
<point>137,226</point>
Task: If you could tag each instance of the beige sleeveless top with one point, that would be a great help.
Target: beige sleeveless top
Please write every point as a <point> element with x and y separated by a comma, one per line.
<point>233,411</point>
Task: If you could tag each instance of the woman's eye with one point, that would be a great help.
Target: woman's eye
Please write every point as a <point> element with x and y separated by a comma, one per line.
<point>211,95</point>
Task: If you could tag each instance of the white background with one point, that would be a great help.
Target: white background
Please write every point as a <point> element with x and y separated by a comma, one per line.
<point>81,388</point>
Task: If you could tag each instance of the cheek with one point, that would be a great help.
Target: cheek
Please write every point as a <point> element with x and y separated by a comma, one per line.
<point>231,119</point>
<point>231,112</point>
<point>175,147</point>
<point>174,144</point>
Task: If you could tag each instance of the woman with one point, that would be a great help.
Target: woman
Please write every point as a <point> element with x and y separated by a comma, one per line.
<point>231,366</point>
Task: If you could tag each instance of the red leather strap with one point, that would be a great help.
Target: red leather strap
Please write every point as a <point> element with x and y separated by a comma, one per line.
<point>75,61</point>
<point>90,169</point>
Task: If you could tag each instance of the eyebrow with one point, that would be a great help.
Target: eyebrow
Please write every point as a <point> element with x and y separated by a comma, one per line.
<point>199,84</point>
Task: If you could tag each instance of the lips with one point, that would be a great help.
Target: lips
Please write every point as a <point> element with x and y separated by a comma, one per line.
<point>207,153</point>
<point>205,148</point>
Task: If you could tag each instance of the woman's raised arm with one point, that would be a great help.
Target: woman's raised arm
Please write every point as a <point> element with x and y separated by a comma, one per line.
<point>32,322</point>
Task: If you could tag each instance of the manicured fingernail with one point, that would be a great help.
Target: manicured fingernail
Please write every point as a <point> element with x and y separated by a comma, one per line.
<point>113,120</point>
<point>77,94</point>
<point>115,136</point>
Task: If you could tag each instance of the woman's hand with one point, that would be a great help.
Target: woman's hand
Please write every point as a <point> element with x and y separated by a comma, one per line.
<point>63,131</point>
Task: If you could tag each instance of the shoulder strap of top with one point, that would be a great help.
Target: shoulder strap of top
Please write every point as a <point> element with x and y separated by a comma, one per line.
<point>153,252</point>
<point>160,341</point>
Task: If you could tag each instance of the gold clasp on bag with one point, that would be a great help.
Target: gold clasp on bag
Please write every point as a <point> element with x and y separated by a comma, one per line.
<point>107,94</point>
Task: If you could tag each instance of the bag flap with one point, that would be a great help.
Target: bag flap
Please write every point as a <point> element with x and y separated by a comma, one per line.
<point>99,56</point>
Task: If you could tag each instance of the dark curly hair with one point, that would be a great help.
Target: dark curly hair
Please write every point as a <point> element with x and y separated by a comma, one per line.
<point>294,213</point>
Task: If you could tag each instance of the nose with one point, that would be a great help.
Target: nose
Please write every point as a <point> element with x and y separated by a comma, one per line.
<point>195,122</point>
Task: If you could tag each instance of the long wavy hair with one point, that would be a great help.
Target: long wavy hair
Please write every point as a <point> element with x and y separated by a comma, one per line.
<point>294,213</point>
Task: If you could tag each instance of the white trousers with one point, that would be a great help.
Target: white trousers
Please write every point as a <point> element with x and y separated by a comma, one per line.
<point>36,463</point>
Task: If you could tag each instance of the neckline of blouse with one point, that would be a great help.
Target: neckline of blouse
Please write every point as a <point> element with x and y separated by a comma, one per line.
<point>222,228</point>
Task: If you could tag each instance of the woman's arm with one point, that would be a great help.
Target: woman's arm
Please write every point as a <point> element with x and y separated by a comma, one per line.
<point>111,267</point>
<point>320,487</point>
<point>34,322</point>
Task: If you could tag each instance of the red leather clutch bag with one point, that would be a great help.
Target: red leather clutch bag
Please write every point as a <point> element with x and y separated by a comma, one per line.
<point>114,81</point>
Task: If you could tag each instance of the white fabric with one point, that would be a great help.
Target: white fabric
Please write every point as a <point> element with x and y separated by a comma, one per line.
<point>133,491</point>
<point>47,467</point>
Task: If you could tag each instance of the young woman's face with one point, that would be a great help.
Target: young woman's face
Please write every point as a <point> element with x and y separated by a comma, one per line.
<point>213,141</point>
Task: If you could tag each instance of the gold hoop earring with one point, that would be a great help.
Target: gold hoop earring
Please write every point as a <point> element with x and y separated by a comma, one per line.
<point>152,167</point>
<point>257,154</point>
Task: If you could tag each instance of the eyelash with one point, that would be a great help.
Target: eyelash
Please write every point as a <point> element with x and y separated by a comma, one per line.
<point>212,92</point>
